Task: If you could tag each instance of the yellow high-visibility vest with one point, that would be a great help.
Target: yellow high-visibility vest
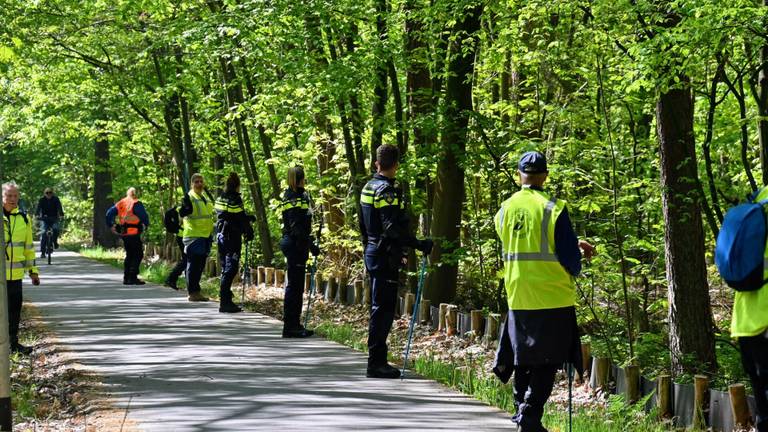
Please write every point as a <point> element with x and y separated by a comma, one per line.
<point>533,276</point>
<point>198,224</point>
<point>19,249</point>
<point>750,308</point>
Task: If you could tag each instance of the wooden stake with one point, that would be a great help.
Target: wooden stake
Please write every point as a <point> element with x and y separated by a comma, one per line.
<point>410,299</point>
<point>632,375</point>
<point>442,315</point>
<point>341,290</point>
<point>269,276</point>
<point>330,292</point>
<point>307,278</point>
<point>492,327</point>
<point>260,276</point>
<point>663,396</point>
<point>424,311</point>
<point>451,320</point>
<point>586,357</point>
<point>700,401</point>
<point>358,292</point>
<point>477,321</point>
<point>739,406</point>
<point>602,372</point>
<point>367,291</point>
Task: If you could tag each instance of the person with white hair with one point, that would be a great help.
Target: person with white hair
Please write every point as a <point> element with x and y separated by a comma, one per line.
<point>19,259</point>
<point>129,219</point>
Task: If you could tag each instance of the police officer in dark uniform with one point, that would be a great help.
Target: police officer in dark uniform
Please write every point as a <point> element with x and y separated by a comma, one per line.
<point>384,226</point>
<point>172,222</point>
<point>296,244</point>
<point>232,223</point>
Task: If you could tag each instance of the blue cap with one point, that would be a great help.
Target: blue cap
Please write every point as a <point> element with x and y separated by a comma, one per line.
<point>533,162</point>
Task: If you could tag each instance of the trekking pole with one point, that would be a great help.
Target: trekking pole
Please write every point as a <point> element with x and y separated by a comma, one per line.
<point>310,300</point>
<point>312,271</point>
<point>246,272</point>
<point>570,397</point>
<point>414,314</point>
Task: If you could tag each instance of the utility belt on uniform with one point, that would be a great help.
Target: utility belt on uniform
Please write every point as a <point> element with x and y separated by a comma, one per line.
<point>123,228</point>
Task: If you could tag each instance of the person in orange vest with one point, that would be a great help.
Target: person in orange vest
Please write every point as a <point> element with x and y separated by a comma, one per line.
<point>129,219</point>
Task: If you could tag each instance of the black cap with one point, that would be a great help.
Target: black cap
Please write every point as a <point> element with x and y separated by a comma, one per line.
<point>533,162</point>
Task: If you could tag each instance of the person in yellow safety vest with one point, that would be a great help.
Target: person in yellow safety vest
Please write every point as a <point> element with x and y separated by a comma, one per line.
<point>541,258</point>
<point>19,259</point>
<point>197,233</point>
<point>750,325</point>
<point>128,218</point>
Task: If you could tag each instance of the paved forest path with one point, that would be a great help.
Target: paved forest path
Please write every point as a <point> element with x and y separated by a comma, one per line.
<point>181,366</point>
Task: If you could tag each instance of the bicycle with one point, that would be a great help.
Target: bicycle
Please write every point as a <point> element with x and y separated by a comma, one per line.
<point>48,250</point>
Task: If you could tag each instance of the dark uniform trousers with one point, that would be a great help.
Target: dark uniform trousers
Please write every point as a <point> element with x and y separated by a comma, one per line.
<point>134,252</point>
<point>296,256</point>
<point>178,269</point>
<point>754,358</point>
<point>14,309</point>
<point>229,260</point>
<point>533,386</point>
<point>197,252</point>
<point>384,283</point>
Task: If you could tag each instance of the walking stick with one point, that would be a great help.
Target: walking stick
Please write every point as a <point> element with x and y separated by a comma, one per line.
<point>570,397</point>
<point>246,271</point>
<point>312,271</point>
<point>415,313</point>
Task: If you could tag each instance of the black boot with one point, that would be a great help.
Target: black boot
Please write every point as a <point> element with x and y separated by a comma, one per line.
<point>382,371</point>
<point>229,308</point>
<point>299,332</point>
<point>21,349</point>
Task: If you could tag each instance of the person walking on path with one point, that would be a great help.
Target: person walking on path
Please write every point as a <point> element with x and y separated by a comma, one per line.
<point>128,219</point>
<point>171,220</point>
<point>49,213</point>
<point>197,229</point>
<point>19,259</point>
<point>384,228</point>
<point>231,226</point>
<point>750,325</point>
<point>295,209</point>
<point>541,258</point>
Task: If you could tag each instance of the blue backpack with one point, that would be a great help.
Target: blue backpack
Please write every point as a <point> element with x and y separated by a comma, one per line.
<point>740,246</point>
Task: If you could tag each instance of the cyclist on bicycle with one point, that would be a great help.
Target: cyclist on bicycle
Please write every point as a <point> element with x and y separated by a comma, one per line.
<point>49,213</point>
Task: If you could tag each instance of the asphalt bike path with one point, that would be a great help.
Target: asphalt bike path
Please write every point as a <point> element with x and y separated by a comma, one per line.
<point>173,365</point>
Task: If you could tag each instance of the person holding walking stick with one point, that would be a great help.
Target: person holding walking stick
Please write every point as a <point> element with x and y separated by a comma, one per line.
<point>384,228</point>
<point>296,243</point>
<point>541,258</point>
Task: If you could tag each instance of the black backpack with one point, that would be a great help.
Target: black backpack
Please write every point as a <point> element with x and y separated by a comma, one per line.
<point>171,221</point>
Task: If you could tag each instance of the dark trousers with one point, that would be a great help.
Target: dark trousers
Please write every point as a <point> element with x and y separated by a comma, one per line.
<point>754,358</point>
<point>229,260</point>
<point>296,260</point>
<point>197,252</point>
<point>533,386</point>
<point>384,285</point>
<point>134,252</point>
<point>180,266</point>
<point>14,310</point>
<point>54,225</point>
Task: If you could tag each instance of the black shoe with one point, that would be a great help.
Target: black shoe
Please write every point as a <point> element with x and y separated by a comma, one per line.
<point>298,333</point>
<point>230,308</point>
<point>383,371</point>
<point>42,255</point>
<point>171,285</point>
<point>55,244</point>
<point>21,349</point>
<point>138,282</point>
<point>127,282</point>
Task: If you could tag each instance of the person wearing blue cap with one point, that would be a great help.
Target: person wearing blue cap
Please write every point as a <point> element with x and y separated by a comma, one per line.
<point>541,258</point>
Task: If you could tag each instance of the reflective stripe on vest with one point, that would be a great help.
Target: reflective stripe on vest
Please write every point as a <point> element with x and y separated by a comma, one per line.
<point>544,254</point>
<point>199,223</point>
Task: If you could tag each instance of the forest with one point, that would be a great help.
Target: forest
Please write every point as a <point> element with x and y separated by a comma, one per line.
<point>653,115</point>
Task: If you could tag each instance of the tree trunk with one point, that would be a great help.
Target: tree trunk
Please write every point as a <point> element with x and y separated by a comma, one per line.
<point>102,194</point>
<point>449,188</point>
<point>763,108</point>
<point>688,293</point>
<point>379,108</point>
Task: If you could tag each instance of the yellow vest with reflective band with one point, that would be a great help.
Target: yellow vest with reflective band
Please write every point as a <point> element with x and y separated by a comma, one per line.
<point>533,276</point>
<point>200,222</point>
<point>750,308</point>
<point>19,249</point>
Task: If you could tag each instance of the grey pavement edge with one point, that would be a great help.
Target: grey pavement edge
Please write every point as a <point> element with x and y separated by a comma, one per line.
<point>181,366</point>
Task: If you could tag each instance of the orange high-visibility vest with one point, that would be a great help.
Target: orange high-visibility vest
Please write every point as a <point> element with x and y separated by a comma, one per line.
<point>126,217</point>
